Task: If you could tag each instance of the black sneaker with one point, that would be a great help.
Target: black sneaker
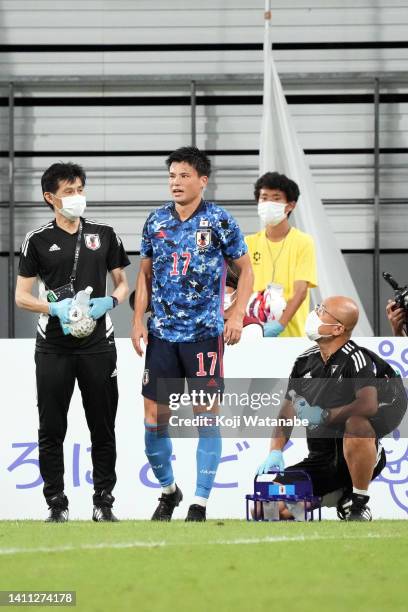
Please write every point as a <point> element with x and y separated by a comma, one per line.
<point>343,506</point>
<point>101,514</point>
<point>167,503</point>
<point>196,513</point>
<point>58,507</point>
<point>359,511</point>
<point>102,510</point>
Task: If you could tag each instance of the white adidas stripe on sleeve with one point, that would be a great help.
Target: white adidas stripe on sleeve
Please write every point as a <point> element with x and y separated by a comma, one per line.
<point>24,247</point>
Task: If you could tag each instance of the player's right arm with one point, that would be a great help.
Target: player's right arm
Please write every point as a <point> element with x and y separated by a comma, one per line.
<point>281,434</point>
<point>143,293</point>
<point>28,271</point>
<point>24,296</point>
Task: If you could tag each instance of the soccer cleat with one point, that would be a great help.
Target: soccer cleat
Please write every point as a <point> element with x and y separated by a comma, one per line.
<point>57,515</point>
<point>196,514</point>
<point>343,506</point>
<point>359,511</point>
<point>102,510</point>
<point>103,514</point>
<point>167,503</point>
<point>58,507</point>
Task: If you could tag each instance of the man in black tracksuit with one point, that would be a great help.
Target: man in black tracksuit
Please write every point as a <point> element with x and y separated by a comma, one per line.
<point>351,398</point>
<point>67,255</point>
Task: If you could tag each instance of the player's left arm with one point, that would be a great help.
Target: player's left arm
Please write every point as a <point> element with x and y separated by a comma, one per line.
<point>361,378</point>
<point>120,283</point>
<point>101,305</point>
<point>233,247</point>
<point>365,405</point>
<point>234,323</point>
<point>360,374</point>
<point>116,261</point>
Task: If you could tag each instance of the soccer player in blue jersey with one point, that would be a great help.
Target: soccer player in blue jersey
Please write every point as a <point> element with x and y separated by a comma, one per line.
<point>185,245</point>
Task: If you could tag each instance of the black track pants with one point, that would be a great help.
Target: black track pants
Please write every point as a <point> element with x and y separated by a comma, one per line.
<point>56,375</point>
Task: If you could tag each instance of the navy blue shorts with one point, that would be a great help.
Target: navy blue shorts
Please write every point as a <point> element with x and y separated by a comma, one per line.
<point>169,364</point>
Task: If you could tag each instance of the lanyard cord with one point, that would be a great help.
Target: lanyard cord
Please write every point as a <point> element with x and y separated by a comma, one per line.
<point>274,261</point>
<point>76,256</point>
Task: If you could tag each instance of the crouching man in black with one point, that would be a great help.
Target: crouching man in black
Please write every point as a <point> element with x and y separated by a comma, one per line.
<point>351,398</point>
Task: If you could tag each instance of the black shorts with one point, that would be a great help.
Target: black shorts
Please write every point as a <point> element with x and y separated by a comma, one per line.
<point>390,412</point>
<point>328,473</point>
<point>169,364</point>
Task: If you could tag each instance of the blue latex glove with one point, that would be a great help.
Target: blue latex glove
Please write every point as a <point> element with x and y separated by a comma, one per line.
<point>273,461</point>
<point>272,329</point>
<point>61,310</point>
<point>100,306</point>
<point>314,414</point>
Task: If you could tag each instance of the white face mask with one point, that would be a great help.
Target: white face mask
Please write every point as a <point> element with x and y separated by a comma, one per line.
<point>73,206</point>
<point>271,213</point>
<point>313,322</point>
<point>229,299</point>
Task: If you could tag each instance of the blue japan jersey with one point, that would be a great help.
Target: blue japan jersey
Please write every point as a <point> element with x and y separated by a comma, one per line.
<point>188,260</point>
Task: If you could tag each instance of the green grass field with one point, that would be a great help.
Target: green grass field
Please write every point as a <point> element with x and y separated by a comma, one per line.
<point>219,565</point>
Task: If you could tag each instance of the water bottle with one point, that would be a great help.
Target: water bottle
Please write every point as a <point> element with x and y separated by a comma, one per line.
<point>296,399</point>
<point>274,302</point>
<point>297,510</point>
<point>271,511</point>
<point>80,305</point>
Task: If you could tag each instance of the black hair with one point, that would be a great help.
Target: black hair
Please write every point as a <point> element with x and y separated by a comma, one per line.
<point>61,172</point>
<point>194,157</point>
<point>274,180</point>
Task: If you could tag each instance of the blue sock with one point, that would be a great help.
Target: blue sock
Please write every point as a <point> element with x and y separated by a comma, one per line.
<point>158,449</point>
<point>208,458</point>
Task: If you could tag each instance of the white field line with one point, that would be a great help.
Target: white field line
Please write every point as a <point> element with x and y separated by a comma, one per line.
<point>302,538</point>
<point>163,543</point>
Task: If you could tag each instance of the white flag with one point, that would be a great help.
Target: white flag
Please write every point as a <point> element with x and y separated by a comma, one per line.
<point>280,151</point>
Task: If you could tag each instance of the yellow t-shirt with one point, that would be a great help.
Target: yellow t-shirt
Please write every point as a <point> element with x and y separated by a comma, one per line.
<point>294,259</point>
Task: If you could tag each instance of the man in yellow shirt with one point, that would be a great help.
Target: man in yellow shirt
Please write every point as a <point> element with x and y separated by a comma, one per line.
<point>282,254</point>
